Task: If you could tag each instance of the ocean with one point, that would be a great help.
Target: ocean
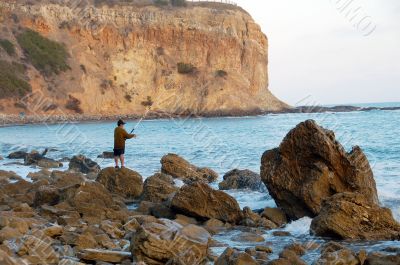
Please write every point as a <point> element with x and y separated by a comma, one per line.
<point>223,144</point>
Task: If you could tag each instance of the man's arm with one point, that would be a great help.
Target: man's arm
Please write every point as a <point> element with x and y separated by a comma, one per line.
<point>128,135</point>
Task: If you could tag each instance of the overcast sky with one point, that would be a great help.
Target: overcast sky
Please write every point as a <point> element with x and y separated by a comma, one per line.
<point>331,51</point>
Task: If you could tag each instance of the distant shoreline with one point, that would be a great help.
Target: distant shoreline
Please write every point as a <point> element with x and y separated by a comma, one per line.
<point>17,120</point>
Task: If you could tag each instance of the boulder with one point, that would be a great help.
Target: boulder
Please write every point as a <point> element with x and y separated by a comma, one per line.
<point>83,164</point>
<point>248,237</point>
<point>62,179</point>
<point>334,253</point>
<point>199,200</point>
<point>276,215</point>
<point>34,158</point>
<point>310,166</point>
<point>178,167</point>
<point>353,216</point>
<point>9,176</point>
<point>376,258</point>
<point>106,155</point>
<point>251,219</point>
<point>94,202</point>
<point>124,182</point>
<point>101,255</point>
<point>17,155</point>
<point>42,174</point>
<point>242,179</point>
<point>167,241</point>
<point>235,257</point>
<point>158,188</point>
<point>49,195</point>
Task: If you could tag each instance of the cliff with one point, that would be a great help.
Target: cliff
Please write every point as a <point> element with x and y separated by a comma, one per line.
<point>127,59</point>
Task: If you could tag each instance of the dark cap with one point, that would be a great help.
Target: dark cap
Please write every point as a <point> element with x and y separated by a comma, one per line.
<point>121,122</point>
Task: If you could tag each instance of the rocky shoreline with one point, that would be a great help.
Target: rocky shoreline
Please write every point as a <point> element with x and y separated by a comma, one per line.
<point>81,215</point>
<point>10,120</point>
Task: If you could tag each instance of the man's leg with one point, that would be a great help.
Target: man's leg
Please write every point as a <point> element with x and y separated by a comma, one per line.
<point>122,157</point>
<point>116,161</point>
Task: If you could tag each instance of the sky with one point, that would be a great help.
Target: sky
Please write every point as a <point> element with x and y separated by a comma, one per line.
<point>331,51</point>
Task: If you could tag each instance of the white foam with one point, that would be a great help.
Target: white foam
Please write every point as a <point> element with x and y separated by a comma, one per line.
<point>299,227</point>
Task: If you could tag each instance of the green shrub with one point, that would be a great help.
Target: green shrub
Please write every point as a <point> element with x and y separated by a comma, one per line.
<point>185,68</point>
<point>148,103</point>
<point>74,104</point>
<point>161,2</point>
<point>8,46</point>
<point>178,2</point>
<point>47,56</point>
<point>13,81</point>
<point>221,73</point>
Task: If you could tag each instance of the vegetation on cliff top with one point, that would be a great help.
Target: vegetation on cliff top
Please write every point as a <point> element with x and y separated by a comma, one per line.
<point>47,56</point>
<point>8,46</point>
<point>12,80</point>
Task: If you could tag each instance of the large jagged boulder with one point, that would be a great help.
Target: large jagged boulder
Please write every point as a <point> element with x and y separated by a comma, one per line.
<point>310,166</point>
<point>167,242</point>
<point>199,200</point>
<point>17,155</point>
<point>158,188</point>
<point>94,202</point>
<point>352,216</point>
<point>178,167</point>
<point>83,164</point>
<point>242,179</point>
<point>123,181</point>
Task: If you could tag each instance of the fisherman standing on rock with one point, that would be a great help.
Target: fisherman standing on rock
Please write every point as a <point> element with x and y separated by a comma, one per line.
<point>120,136</point>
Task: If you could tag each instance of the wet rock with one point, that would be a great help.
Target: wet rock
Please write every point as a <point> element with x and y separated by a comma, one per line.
<point>353,216</point>
<point>165,241</point>
<point>8,233</point>
<point>276,215</point>
<point>34,158</point>
<point>160,210</point>
<point>333,253</point>
<point>9,176</point>
<point>199,200</point>
<point>248,237</point>
<point>43,174</point>
<point>106,155</point>
<point>281,233</point>
<point>1,158</point>
<point>310,166</point>
<point>252,219</point>
<point>17,155</point>
<point>184,220</point>
<point>382,259</point>
<point>178,167</point>
<point>158,188</point>
<point>214,226</point>
<point>235,257</point>
<point>124,181</point>
<point>242,179</point>
<point>83,164</point>
<point>104,255</point>
<point>46,195</point>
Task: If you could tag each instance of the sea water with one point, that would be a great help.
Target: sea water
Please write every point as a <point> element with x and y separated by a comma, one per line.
<point>222,144</point>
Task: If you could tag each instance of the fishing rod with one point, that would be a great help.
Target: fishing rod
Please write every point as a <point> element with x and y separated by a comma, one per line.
<point>140,121</point>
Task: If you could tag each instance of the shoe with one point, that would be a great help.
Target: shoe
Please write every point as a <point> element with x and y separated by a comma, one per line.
<point>116,166</point>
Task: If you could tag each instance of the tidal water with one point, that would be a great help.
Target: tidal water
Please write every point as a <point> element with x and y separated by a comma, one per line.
<point>223,144</point>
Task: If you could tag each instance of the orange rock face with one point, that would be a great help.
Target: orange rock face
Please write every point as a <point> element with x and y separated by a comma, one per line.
<point>124,59</point>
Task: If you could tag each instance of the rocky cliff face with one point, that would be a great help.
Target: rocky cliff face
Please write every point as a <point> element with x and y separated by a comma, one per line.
<point>205,60</point>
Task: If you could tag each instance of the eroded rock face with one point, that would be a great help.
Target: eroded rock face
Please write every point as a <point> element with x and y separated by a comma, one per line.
<point>199,200</point>
<point>353,216</point>
<point>223,43</point>
<point>178,167</point>
<point>242,179</point>
<point>158,188</point>
<point>167,241</point>
<point>83,164</point>
<point>310,166</point>
<point>123,181</point>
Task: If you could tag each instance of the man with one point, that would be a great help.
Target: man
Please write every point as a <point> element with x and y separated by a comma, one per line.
<point>120,135</point>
